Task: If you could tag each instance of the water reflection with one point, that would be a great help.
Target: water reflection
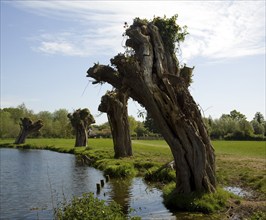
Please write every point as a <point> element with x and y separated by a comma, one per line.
<point>120,191</point>
<point>33,182</point>
<point>138,198</point>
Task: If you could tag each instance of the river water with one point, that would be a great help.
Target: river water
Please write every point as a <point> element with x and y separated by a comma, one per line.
<point>33,182</point>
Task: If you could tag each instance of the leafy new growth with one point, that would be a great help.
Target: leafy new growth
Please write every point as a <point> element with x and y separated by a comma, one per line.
<point>170,31</point>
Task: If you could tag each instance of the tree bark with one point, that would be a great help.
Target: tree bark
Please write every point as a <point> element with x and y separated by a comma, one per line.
<point>153,78</point>
<point>81,136</point>
<point>80,120</point>
<point>115,105</point>
<point>27,127</point>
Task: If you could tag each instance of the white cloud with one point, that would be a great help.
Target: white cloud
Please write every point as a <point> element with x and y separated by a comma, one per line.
<point>58,47</point>
<point>232,29</point>
<point>79,43</point>
<point>218,29</point>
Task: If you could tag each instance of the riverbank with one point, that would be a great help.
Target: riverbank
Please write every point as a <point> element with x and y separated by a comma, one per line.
<point>239,164</point>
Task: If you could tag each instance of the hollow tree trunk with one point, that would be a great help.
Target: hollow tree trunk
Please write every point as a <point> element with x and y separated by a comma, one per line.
<point>27,127</point>
<point>153,78</point>
<point>115,105</point>
<point>80,120</point>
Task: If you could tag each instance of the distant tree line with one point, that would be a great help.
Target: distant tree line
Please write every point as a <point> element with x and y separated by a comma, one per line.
<point>232,126</point>
<point>235,126</point>
<point>56,124</point>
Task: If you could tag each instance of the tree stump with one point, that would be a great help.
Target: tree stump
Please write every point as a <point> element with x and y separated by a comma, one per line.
<point>27,127</point>
<point>80,120</point>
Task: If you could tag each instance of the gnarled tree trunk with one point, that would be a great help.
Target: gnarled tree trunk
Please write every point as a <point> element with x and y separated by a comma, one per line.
<point>27,127</point>
<point>80,120</point>
<point>115,105</point>
<point>153,78</point>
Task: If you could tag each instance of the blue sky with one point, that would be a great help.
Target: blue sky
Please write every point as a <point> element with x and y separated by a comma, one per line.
<point>47,47</point>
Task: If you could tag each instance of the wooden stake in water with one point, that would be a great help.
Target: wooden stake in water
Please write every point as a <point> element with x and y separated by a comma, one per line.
<point>98,186</point>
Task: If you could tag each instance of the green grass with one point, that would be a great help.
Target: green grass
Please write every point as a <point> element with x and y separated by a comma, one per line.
<point>242,163</point>
<point>206,203</point>
<point>151,147</point>
<point>60,145</point>
<point>241,148</point>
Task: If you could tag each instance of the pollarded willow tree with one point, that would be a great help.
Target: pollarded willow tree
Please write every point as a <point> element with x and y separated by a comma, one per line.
<point>152,76</point>
<point>114,103</point>
<point>27,126</point>
<point>80,120</point>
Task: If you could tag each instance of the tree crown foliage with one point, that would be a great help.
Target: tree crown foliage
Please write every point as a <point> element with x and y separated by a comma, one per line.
<point>235,115</point>
<point>259,118</point>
